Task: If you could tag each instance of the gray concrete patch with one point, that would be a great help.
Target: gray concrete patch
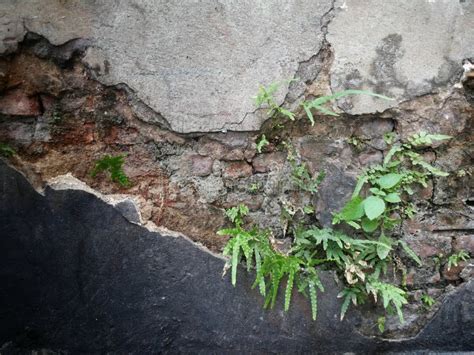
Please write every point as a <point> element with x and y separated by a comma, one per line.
<point>399,48</point>
<point>196,63</point>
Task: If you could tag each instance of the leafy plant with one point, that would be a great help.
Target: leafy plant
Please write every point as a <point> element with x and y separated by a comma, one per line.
<point>427,300</point>
<point>303,179</point>
<point>300,175</point>
<point>255,187</point>
<point>454,259</point>
<point>318,103</point>
<point>389,137</point>
<point>387,184</point>
<point>114,166</point>
<point>379,201</point>
<point>263,142</point>
<point>381,324</point>
<point>265,97</point>
<point>6,150</point>
<point>270,266</point>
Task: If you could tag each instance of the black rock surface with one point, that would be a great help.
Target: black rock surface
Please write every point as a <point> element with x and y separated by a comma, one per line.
<point>76,276</point>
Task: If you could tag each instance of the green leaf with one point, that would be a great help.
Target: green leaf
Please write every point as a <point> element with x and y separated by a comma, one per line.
<point>373,207</point>
<point>235,261</point>
<point>324,99</point>
<point>395,149</point>
<point>345,306</point>
<point>326,111</point>
<point>309,114</point>
<point>393,197</point>
<point>287,113</point>
<point>368,225</point>
<point>410,252</point>
<point>289,288</point>
<point>389,180</point>
<point>353,210</point>
<point>353,224</point>
<point>360,183</point>
<point>384,248</point>
<point>262,143</point>
<point>381,324</point>
<point>313,299</point>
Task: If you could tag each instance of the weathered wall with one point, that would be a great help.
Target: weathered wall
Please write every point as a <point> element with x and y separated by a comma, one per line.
<point>65,290</point>
<point>198,64</point>
<point>170,85</point>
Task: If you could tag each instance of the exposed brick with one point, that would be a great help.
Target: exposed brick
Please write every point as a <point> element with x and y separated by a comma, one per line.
<point>454,273</point>
<point>236,170</point>
<point>17,103</point>
<point>201,166</point>
<point>464,242</point>
<point>266,162</point>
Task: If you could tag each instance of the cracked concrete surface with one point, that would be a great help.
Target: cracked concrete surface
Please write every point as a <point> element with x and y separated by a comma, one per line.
<point>402,49</point>
<point>198,64</point>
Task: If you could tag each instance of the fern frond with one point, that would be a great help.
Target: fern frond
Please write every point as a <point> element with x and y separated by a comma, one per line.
<point>289,289</point>
<point>235,261</point>
<point>313,299</point>
<point>410,252</point>
<point>259,279</point>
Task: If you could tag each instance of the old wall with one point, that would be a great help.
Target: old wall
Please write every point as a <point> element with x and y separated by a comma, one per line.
<point>171,84</point>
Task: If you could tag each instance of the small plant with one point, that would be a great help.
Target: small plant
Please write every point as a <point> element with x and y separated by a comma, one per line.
<point>427,301</point>
<point>255,187</point>
<point>462,173</point>
<point>454,259</point>
<point>271,266</point>
<point>263,142</point>
<point>300,175</point>
<point>402,168</point>
<point>265,97</point>
<point>381,324</point>
<point>320,101</point>
<point>303,179</point>
<point>389,138</point>
<point>114,166</point>
<point>355,141</point>
<point>6,150</point>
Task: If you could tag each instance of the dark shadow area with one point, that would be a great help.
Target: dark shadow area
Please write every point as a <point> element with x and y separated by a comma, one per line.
<point>77,277</point>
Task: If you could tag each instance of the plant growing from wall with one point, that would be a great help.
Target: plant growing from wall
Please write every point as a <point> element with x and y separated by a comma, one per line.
<point>455,259</point>
<point>427,301</point>
<point>6,150</point>
<point>265,97</point>
<point>114,166</point>
<point>379,202</point>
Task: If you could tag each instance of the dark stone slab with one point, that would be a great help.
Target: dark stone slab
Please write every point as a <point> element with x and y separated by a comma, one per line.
<point>77,276</point>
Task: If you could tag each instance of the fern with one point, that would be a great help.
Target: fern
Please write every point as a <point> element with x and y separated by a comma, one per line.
<point>454,259</point>
<point>320,101</point>
<point>263,142</point>
<point>361,260</point>
<point>113,165</point>
<point>391,295</point>
<point>6,150</point>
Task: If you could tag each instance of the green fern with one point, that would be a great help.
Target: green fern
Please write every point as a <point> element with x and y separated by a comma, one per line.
<point>263,142</point>
<point>114,166</point>
<point>318,103</point>
<point>6,150</point>
<point>454,259</point>
<point>361,260</point>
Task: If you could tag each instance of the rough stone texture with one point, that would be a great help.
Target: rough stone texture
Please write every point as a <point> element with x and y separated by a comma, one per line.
<point>69,276</point>
<point>400,49</point>
<point>198,65</point>
<point>182,182</point>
